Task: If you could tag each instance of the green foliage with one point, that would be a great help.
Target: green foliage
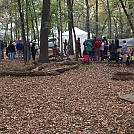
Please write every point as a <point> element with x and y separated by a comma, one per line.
<point>9,11</point>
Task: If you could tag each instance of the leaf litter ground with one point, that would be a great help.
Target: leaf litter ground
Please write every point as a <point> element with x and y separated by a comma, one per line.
<point>81,101</point>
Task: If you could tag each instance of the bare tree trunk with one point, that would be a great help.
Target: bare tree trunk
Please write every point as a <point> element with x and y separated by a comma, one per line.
<point>96,18</point>
<point>70,10</point>
<point>61,29</point>
<point>43,57</point>
<point>27,39</point>
<point>116,27</point>
<point>58,35</point>
<point>5,34</point>
<point>128,17</point>
<point>121,24</point>
<point>16,26</point>
<point>36,21</point>
<point>23,30</point>
<point>104,26</point>
<point>87,19</point>
<point>110,22</point>
<point>32,23</point>
<point>11,29</point>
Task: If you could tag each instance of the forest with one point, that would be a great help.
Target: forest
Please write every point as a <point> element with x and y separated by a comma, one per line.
<point>31,19</point>
<point>86,93</point>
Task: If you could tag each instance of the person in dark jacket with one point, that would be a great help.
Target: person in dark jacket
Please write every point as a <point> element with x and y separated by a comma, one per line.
<point>33,51</point>
<point>112,47</point>
<point>117,42</point>
<point>78,44</point>
<point>11,49</point>
<point>19,47</point>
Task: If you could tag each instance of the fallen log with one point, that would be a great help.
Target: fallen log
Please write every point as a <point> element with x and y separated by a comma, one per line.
<point>123,76</point>
<point>62,70</point>
<point>44,65</point>
<point>53,72</point>
<point>68,62</point>
<point>22,73</point>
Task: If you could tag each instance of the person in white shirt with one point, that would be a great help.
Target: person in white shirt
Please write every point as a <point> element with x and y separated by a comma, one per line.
<point>102,50</point>
<point>124,50</point>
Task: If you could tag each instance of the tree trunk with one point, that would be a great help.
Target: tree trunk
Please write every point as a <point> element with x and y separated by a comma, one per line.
<point>23,30</point>
<point>87,19</point>
<point>36,21</point>
<point>116,27</point>
<point>16,26</point>
<point>11,29</point>
<point>43,57</point>
<point>32,23</point>
<point>104,26</point>
<point>128,17</point>
<point>110,22</point>
<point>70,13</point>
<point>61,29</point>
<point>27,39</point>
<point>5,33</point>
<point>96,18</point>
<point>121,24</point>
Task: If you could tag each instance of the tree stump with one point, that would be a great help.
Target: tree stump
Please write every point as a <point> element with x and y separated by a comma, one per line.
<point>123,76</point>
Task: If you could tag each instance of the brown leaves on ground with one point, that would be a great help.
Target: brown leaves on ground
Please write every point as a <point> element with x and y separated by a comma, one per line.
<point>81,101</point>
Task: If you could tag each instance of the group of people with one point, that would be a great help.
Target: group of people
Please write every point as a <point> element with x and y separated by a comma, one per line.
<point>17,48</point>
<point>100,49</point>
<point>94,49</point>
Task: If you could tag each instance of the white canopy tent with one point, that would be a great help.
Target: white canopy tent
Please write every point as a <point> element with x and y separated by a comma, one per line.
<point>79,33</point>
<point>130,42</point>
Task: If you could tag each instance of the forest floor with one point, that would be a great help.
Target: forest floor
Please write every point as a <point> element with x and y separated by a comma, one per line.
<point>80,101</point>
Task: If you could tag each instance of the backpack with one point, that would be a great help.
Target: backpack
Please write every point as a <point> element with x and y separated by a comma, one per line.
<point>36,47</point>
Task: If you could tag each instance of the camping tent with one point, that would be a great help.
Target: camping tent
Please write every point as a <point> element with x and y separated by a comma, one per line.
<point>130,42</point>
<point>79,33</point>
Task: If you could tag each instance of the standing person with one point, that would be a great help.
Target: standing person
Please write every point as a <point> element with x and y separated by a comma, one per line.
<point>30,53</point>
<point>105,50</point>
<point>11,49</point>
<point>105,47</point>
<point>84,44</point>
<point>19,47</point>
<point>7,52</point>
<point>78,47</point>
<point>112,48</point>
<point>102,50</point>
<point>93,42</point>
<point>105,39</point>
<point>65,46</point>
<point>89,48</point>
<point>124,50</point>
<point>2,49</point>
<point>33,51</point>
<point>36,46</point>
<point>116,42</point>
<point>97,46</point>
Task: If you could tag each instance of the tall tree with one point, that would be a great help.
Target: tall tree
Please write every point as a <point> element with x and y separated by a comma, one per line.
<point>97,18</point>
<point>22,29</point>
<point>127,15</point>
<point>36,20</point>
<point>61,28</point>
<point>110,21</point>
<point>70,13</point>
<point>87,19</point>
<point>43,57</point>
